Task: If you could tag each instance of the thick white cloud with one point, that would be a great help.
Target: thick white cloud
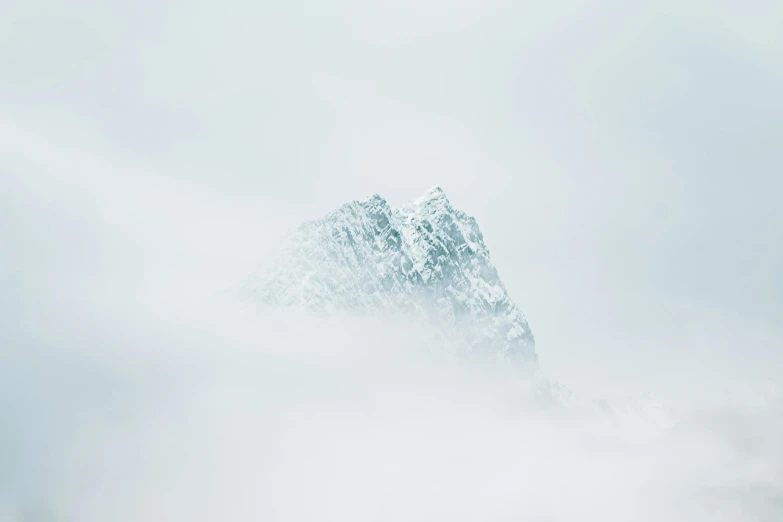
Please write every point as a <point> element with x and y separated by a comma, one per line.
<point>126,411</point>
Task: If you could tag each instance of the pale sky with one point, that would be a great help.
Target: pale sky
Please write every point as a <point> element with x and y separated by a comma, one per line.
<point>623,159</point>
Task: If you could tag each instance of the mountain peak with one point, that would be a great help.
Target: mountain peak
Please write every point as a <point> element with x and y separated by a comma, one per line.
<point>372,198</point>
<point>435,193</point>
<point>424,259</point>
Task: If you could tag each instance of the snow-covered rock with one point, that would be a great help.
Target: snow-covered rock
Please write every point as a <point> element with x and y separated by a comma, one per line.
<point>425,259</point>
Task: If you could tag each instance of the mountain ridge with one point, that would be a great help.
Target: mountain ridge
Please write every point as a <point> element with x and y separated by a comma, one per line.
<point>423,258</point>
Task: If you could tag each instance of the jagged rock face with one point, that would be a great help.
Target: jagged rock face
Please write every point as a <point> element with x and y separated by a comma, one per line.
<point>425,259</point>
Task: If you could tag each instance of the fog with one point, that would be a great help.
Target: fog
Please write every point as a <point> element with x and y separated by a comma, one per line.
<point>126,397</point>
<point>621,158</point>
<point>138,411</point>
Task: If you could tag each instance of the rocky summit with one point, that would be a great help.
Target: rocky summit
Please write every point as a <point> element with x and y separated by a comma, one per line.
<point>424,259</point>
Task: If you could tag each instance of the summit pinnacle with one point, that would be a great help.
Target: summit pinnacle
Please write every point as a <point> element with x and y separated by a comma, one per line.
<point>424,259</point>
